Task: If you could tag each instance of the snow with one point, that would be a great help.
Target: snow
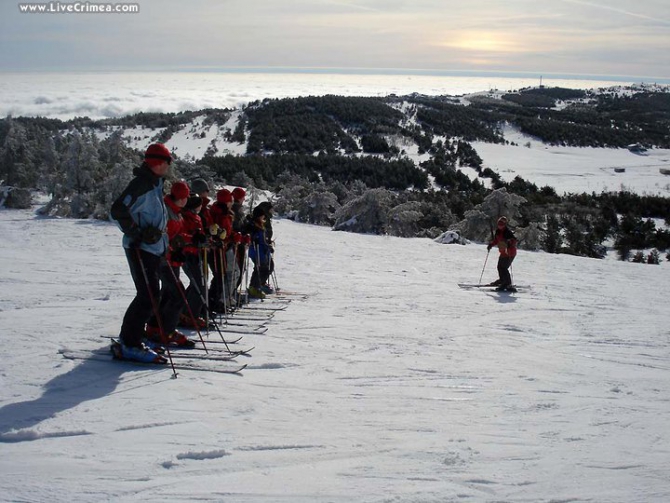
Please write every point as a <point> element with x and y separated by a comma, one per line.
<point>387,383</point>
<point>189,139</point>
<point>576,169</point>
<point>233,148</point>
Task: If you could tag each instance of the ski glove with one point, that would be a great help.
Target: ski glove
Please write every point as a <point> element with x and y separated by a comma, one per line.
<point>178,256</point>
<point>199,239</point>
<point>151,235</point>
<point>178,241</point>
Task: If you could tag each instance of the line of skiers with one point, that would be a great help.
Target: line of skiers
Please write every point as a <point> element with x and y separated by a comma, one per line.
<point>164,234</point>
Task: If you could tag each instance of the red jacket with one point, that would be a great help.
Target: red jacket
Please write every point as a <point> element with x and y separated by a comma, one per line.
<point>506,241</point>
<point>175,230</point>
<point>205,214</point>
<point>192,226</point>
<point>223,217</point>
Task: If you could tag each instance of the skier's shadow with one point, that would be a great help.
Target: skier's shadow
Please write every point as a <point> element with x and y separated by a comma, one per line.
<point>504,297</point>
<point>89,380</point>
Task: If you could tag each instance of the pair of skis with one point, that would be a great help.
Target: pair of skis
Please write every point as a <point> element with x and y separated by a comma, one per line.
<point>194,360</point>
<point>492,288</point>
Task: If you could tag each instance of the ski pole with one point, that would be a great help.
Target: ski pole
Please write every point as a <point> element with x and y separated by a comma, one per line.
<point>223,269</point>
<point>154,306</point>
<point>214,323</point>
<point>246,271</point>
<point>205,281</point>
<point>485,261</point>
<point>273,266</point>
<point>244,274</point>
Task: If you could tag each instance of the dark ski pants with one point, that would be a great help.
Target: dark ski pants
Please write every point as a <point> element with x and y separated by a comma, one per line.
<point>504,264</point>
<point>260,275</point>
<point>195,293</point>
<point>172,298</point>
<point>218,266</point>
<point>141,308</point>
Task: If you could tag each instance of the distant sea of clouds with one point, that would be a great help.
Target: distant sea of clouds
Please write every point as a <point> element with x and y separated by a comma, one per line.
<point>112,94</point>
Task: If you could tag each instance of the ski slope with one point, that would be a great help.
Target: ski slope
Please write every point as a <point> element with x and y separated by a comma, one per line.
<point>387,383</point>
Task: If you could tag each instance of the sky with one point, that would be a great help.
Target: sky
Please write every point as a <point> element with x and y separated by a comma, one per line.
<point>564,37</point>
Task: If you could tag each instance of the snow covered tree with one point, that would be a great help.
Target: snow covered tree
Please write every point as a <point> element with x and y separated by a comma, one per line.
<point>403,220</point>
<point>16,198</point>
<point>638,258</point>
<point>476,226</point>
<point>318,208</point>
<point>479,223</point>
<point>499,203</point>
<point>654,257</point>
<point>109,189</point>
<point>17,156</point>
<point>367,214</point>
<point>531,237</point>
<point>83,171</point>
<point>292,190</point>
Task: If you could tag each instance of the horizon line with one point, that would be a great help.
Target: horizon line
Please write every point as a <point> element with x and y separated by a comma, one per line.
<point>351,71</point>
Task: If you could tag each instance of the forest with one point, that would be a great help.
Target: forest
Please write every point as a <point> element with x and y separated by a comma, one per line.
<point>328,159</point>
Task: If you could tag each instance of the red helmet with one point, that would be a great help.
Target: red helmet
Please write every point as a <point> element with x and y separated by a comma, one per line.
<point>224,196</point>
<point>239,193</point>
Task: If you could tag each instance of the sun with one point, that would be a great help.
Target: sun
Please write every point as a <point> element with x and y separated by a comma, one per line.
<point>482,41</point>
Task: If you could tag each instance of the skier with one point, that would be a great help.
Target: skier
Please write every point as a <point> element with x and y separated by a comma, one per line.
<point>259,253</point>
<point>200,187</point>
<point>141,214</point>
<point>238,208</point>
<point>506,241</point>
<point>239,226</point>
<point>266,208</point>
<point>196,241</point>
<point>172,290</point>
<point>227,271</point>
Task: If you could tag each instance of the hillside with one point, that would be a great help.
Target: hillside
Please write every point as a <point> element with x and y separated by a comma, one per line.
<point>583,168</point>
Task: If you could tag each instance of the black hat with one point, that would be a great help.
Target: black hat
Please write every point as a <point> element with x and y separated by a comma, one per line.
<point>193,202</point>
<point>258,211</point>
<point>199,186</point>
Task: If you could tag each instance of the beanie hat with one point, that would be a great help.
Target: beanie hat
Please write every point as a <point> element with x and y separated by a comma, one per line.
<point>224,196</point>
<point>193,202</point>
<point>239,193</point>
<point>179,190</point>
<point>258,212</point>
<point>502,220</point>
<point>157,153</point>
<point>266,207</point>
<point>199,186</point>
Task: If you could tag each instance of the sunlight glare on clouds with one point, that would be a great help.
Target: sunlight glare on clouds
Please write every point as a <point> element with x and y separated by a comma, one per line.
<point>482,41</point>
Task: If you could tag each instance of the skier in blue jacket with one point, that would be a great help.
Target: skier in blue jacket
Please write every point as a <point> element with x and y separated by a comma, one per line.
<point>260,254</point>
<point>141,214</point>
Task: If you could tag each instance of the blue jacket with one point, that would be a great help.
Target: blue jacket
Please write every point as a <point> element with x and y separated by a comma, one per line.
<point>139,206</point>
<point>259,251</point>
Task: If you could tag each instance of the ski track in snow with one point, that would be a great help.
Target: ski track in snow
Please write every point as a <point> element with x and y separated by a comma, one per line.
<point>386,383</point>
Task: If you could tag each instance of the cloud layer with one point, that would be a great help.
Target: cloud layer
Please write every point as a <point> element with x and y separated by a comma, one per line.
<point>101,95</point>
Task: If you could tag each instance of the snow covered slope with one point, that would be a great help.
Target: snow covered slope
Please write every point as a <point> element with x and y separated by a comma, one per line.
<point>577,169</point>
<point>387,383</point>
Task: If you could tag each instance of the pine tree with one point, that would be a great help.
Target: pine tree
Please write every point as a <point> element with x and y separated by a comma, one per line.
<point>553,241</point>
